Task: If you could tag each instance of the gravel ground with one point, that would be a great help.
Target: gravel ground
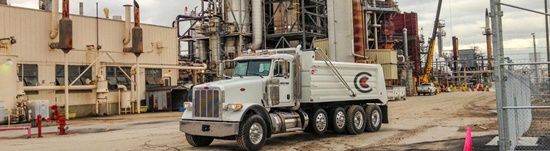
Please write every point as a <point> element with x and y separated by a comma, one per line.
<point>423,122</point>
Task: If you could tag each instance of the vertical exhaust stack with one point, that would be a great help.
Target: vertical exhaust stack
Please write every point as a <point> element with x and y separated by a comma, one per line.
<point>127,26</point>
<point>488,38</point>
<point>257,23</point>
<point>358,30</point>
<point>137,32</point>
<point>66,29</point>
<point>81,8</point>
<point>54,29</point>
<point>455,51</point>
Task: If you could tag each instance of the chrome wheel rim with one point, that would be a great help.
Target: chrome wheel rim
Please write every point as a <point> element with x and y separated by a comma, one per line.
<point>340,119</point>
<point>256,133</point>
<point>375,118</point>
<point>321,121</point>
<point>358,120</point>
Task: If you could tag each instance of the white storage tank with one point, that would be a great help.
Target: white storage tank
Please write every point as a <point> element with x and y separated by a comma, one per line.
<point>39,107</point>
<point>125,99</point>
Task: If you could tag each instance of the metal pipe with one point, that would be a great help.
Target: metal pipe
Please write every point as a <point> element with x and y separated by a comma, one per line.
<point>257,24</point>
<point>203,67</point>
<point>54,29</point>
<point>66,82</point>
<point>535,56</point>
<point>127,28</point>
<point>496,23</point>
<point>547,35</point>
<point>49,88</point>
<point>138,97</point>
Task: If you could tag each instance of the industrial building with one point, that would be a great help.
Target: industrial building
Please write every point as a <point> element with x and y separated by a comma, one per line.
<point>101,72</point>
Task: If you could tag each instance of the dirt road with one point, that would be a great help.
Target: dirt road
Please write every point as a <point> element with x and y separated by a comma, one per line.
<point>412,122</point>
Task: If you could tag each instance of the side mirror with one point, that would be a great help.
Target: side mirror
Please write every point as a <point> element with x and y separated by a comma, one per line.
<point>282,69</point>
<point>222,71</point>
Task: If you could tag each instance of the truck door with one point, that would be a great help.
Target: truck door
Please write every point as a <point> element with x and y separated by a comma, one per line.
<point>281,72</point>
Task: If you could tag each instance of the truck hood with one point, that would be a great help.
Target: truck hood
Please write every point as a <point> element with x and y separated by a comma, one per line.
<point>240,90</point>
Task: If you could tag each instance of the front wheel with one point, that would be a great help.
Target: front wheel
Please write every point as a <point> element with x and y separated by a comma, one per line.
<point>198,141</point>
<point>252,133</point>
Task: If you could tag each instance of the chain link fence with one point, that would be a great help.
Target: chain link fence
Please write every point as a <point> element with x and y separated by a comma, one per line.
<point>526,106</point>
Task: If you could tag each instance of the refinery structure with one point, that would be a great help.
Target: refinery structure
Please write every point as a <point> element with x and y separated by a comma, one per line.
<point>118,66</point>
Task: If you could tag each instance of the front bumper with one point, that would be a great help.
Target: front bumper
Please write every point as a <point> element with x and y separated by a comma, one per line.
<point>206,128</point>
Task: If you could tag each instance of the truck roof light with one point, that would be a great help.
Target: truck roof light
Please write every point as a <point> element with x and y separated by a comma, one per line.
<point>206,88</point>
<point>243,89</point>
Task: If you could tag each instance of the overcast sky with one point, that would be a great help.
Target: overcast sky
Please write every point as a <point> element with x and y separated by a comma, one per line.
<point>464,19</point>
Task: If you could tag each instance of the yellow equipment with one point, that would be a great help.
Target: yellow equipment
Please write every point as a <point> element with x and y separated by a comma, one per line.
<point>429,61</point>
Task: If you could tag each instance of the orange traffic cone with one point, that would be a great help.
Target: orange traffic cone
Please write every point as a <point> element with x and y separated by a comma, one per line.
<point>468,140</point>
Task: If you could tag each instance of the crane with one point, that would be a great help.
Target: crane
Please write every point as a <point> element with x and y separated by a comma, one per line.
<point>431,43</point>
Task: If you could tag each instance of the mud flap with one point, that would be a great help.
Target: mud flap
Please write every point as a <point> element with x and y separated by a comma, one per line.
<point>385,116</point>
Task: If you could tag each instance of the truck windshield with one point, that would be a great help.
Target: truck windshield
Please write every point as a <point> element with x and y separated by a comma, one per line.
<point>252,68</point>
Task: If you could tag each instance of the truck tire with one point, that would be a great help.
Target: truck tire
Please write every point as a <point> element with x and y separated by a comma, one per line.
<point>198,141</point>
<point>338,119</point>
<point>374,118</point>
<point>355,120</point>
<point>252,133</point>
<point>318,122</point>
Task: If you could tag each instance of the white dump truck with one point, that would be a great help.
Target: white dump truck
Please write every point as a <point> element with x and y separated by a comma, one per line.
<point>286,90</point>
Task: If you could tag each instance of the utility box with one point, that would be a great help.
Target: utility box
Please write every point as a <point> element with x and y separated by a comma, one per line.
<point>39,107</point>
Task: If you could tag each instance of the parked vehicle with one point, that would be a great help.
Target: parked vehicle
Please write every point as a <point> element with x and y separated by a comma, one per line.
<point>286,90</point>
<point>396,93</point>
<point>426,89</point>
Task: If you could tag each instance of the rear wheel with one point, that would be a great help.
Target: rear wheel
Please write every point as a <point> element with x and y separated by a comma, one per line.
<point>198,141</point>
<point>338,119</point>
<point>355,120</point>
<point>374,118</point>
<point>252,133</point>
<point>318,122</point>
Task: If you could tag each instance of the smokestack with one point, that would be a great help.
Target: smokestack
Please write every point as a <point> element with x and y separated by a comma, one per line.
<point>81,8</point>
<point>137,32</point>
<point>455,51</point>
<point>65,29</point>
<point>127,27</point>
<point>488,39</point>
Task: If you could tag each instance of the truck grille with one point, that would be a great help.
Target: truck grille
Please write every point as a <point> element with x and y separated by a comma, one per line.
<point>207,103</point>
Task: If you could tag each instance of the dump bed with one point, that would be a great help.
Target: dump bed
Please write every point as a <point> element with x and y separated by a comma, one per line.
<point>321,84</point>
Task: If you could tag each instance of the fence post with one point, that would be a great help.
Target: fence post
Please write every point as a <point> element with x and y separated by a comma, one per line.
<point>499,76</point>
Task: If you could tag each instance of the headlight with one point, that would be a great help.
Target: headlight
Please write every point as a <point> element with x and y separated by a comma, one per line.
<point>188,105</point>
<point>234,107</point>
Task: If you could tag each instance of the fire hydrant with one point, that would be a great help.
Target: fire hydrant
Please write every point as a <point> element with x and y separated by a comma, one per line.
<point>62,124</point>
<point>59,120</point>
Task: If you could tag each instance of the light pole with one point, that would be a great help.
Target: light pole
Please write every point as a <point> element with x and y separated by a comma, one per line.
<point>535,60</point>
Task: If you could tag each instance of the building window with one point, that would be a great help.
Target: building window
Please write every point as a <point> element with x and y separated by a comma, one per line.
<point>28,74</point>
<point>74,72</point>
<point>116,77</point>
<point>153,78</point>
